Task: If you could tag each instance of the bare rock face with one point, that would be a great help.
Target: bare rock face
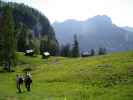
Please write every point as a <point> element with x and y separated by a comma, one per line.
<point>95,32</point>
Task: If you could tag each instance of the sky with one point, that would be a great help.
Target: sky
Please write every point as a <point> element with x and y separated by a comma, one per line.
<point>120,11</point>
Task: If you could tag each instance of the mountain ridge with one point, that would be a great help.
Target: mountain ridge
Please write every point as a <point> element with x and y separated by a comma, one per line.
<point>99,28</point>
<point>128,28</point>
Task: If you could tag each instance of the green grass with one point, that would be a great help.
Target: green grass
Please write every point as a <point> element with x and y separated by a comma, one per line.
<point>108,77</point>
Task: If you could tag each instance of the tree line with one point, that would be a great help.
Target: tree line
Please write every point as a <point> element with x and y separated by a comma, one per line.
<point>70,50</point>
<point>73,50</point>
<point>7,39</point>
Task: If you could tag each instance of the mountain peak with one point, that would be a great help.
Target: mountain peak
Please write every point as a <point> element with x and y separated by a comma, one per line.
<point>95,32</point>
<point>101,19</point>
<point>128,28</point>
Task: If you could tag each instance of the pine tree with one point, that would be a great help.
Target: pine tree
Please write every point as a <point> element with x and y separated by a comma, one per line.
<point>36,44</point>
<point>43,46</point>
<point>102,51</point>
<point>22,38</point>
<point>52,47</point>
<point>75,48</point>
<point>1,41</point>
<point>92,52</point>
<point>65,51</point>
<point>8,41</point>
<point>48,45</point>
<point>1,48</point>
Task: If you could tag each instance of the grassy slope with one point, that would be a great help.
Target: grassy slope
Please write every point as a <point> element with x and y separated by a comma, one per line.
<point>108,77</point>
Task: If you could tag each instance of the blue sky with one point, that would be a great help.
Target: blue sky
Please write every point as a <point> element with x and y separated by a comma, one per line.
<point>121,11</point>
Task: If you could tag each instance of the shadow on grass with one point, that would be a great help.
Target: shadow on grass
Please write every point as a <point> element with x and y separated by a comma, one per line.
<point>22,92</point>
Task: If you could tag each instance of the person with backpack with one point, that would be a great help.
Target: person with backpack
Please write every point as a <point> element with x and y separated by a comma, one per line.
<point>19,82</point>
<point>28,81</point>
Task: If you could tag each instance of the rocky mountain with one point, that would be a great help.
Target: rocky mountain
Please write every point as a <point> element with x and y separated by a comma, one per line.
<point>128,28</point>
<point>95,32</point>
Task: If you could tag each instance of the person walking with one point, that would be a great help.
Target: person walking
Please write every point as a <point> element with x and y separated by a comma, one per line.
<point>28,81</point>
<point>19,82</point>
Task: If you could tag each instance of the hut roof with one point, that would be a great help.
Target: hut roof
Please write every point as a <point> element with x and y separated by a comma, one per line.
<point>29,51</point>
<point>46,53</point>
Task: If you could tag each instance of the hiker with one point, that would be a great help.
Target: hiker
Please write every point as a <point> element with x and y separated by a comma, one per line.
<point>28,81</point>
<point>19,82</point>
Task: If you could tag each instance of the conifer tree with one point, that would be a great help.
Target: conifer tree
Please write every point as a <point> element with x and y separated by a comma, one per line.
<point>65,51</point>
<point>102,51</point>
<point>92,52</point>
<point>75,48</point>
<point>8,42</point>
<point>22,38</point>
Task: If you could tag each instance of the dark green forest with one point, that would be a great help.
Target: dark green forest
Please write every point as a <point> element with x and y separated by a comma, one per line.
<point>31,27</point>
<point>24,28</point>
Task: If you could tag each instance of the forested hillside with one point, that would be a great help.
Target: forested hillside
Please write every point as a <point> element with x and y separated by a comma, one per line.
<point>32,28</point>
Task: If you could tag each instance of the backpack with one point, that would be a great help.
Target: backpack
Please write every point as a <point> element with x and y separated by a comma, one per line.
<point>20,80</point>
<point>29,80</point>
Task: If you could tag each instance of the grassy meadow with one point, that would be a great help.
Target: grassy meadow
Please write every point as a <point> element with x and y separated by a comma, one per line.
<point>108,77</point>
